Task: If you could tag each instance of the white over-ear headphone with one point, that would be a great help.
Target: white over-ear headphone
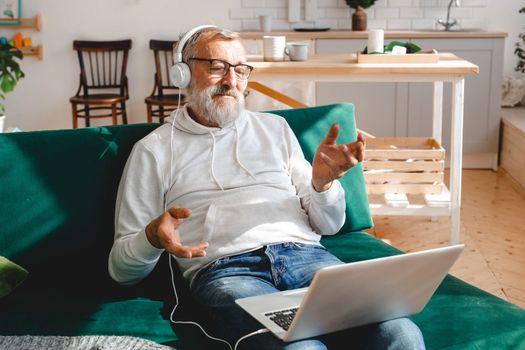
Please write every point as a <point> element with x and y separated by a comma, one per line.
<point>180,73</point>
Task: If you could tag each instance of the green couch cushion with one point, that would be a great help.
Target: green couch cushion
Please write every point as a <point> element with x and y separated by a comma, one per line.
<point>460,316</point>
<point>11,275</point>
<point>60,188</point>
<point>310,130</point>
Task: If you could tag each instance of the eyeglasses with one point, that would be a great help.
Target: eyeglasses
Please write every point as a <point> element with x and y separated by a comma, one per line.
<point>221,68</point>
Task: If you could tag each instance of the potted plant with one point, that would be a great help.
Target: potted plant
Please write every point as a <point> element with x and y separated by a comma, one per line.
<point>513,87</point>
<point>359,15</point>
<point>10,73</point>
<point>520,50</point>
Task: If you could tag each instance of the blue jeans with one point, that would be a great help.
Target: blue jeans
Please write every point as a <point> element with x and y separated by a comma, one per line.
<point>281,267</point>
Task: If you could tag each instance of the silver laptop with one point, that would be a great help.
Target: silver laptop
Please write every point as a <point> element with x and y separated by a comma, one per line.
<point>354,294</point>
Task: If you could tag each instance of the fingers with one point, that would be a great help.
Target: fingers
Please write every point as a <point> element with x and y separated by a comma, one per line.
<point>163,233</point>
<point>182,251</point>
<point>179,213</point>
<point>359,151</point>
<point>361,137</point>
<point>169,239</point>
<point>350,157</point>
<point>331,136</point>
<point>337,169</point>
<point>357,148</point>
<point>332,164</point>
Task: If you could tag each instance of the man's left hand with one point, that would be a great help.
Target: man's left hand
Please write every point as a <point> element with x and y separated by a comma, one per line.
<point>332,161</point>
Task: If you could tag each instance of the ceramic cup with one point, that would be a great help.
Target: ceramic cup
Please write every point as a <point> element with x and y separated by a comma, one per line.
<point>266,23</point>
<point>273,48</point>
<point>376,39</point>
<point>297,51</point>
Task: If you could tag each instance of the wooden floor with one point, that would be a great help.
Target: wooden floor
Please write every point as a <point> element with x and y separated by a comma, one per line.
<point>492,229</point>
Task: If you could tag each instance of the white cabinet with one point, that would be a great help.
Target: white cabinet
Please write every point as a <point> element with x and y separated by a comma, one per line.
<point>405,109</point>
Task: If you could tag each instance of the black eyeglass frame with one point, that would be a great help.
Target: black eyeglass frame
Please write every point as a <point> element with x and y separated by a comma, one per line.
<point>228,64</point>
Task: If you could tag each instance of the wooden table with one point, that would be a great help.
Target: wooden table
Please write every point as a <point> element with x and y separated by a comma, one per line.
<point>344,68</point>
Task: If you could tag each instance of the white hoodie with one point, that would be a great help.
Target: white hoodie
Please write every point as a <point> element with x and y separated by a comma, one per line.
<point>248,185</point>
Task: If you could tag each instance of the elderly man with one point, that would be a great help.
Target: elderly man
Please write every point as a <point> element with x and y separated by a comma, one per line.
<point>229,194</point>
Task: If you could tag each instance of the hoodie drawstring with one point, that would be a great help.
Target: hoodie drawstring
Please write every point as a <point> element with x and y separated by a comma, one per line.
<point>237,159</point>
<point>213,162</point>
<point>237,153</point>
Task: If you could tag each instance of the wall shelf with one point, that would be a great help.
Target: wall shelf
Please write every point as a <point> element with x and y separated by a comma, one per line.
<point>26,23</point>
<point>37,51</point>
<point>22,23</point>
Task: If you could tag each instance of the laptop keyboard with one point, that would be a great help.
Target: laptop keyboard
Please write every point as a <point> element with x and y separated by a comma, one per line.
<point>283,318</point>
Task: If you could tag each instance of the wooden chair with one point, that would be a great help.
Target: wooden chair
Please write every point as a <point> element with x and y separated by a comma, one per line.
<point>165,97</point>
<point>103,87</point>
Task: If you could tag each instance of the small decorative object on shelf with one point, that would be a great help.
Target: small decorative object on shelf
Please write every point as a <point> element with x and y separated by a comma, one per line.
<point>18,40</point>
<point>359,17</point>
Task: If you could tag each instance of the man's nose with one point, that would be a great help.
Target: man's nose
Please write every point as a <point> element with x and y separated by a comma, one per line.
<point>230,78</point>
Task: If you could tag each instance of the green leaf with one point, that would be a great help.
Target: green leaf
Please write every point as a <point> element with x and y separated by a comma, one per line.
<point>411,47</point>
<point>363,3</point>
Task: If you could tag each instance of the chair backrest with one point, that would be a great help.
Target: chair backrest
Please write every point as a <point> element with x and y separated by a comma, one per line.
<point>103,64</point>
<point>163,54</point>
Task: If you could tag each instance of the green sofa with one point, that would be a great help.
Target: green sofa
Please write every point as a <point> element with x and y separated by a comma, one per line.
<point>58,192</point>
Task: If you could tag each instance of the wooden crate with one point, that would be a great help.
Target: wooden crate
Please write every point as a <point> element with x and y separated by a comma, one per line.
<point>410,165</point>
<point>513,147</point>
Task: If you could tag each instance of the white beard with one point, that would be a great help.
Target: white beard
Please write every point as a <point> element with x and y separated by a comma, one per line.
<point>222,112</point>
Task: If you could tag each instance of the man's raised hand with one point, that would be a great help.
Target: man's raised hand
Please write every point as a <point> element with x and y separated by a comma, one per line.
<point>332,161</point>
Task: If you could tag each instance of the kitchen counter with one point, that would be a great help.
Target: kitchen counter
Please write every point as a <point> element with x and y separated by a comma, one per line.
<point>348,34</point>
<point>344,67</point>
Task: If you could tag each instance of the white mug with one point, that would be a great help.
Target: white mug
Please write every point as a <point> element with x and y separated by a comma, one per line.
<point>376,39</point>
<point>297,51</point>
<point>273,48</point>
<point>266,23</point>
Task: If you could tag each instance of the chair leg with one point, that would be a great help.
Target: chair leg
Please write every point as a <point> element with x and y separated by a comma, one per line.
<point>161,114</point>
<point>124,114</point>
<point>75,115</point>
<point>114,114</point>
<point>87,116</point>
<point>148,109</point>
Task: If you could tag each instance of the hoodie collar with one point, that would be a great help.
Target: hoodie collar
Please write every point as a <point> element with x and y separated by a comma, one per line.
<point>182,120</point>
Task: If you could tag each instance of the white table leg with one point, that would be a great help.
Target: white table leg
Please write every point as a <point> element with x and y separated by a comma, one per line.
<point>456,152</point>
<point>437,118</point>
<point>437,111</point>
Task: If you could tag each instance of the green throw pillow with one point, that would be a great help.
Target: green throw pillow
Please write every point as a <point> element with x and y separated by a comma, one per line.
<point>11,275</point>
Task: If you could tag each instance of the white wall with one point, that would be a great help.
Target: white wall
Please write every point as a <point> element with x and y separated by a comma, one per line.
<point>504,16</point>
<point>41,101</point>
